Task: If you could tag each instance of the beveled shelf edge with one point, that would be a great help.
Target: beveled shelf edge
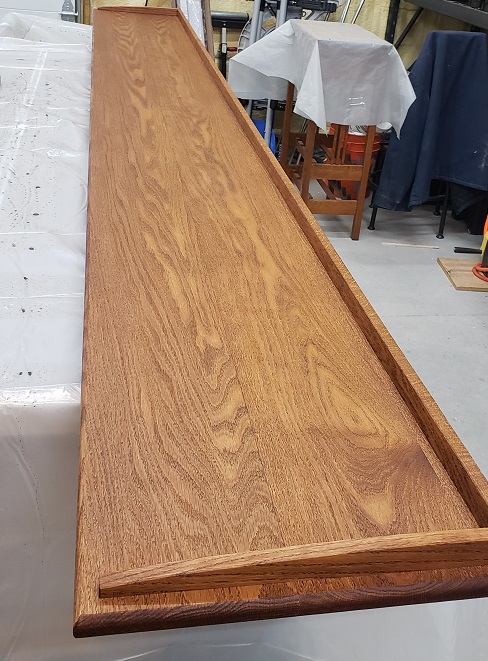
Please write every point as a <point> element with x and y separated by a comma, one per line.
<point>447,549</point>
<point>156,619</point>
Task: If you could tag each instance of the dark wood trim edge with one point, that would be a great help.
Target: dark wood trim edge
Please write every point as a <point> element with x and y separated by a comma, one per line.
<point>293,606</point>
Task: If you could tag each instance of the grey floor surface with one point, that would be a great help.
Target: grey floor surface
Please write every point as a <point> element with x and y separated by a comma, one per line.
<point>442,332</point>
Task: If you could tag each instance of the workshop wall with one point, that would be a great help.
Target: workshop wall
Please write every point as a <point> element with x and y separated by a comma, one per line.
<point>373,17</point>
<point>90,5</point>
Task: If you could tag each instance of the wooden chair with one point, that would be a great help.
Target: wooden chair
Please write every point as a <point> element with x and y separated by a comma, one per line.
<point>326,174</point>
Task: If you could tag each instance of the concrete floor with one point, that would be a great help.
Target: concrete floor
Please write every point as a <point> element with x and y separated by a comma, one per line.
<point>442,332</point>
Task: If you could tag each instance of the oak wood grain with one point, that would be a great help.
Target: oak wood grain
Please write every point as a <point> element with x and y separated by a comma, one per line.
<point>414,552</point>
<point>456,460</point>
<point>239,394</point>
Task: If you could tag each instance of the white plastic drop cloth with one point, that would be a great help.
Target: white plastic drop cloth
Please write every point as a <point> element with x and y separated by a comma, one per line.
<point>343,73</point>
<point>44,105</point>
<point>38,28</point>
<point>192,9</point>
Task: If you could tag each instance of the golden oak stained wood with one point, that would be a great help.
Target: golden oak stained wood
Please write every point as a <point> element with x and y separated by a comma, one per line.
<point>414,552</point>
<point>239,394</point>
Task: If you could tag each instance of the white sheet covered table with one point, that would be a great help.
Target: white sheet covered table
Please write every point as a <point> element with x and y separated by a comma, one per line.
<point>343,73</point>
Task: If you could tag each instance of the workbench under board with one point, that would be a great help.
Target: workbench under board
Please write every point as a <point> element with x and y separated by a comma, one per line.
<point>239,393</point>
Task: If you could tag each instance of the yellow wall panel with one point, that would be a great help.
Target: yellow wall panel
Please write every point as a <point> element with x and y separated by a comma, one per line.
<point>90,5</point>
<point>373,17</point>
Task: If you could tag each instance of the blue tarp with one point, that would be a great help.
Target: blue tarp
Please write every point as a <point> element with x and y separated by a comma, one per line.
<point>260,124</point>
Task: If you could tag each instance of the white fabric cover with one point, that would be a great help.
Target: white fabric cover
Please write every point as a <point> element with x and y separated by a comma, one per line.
<point>343,73</point>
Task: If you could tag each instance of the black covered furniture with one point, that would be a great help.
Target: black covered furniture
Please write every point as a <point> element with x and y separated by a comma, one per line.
<point>445,134</point>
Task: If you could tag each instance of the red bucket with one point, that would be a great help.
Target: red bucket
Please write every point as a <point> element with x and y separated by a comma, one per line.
<point>355,147</point>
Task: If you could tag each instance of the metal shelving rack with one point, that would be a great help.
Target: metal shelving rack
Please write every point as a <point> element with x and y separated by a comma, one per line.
<point>463,12</point>
<point>72,11</point>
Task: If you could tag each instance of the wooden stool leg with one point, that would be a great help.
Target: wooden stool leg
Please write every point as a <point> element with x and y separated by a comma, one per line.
<point>335,141</point>
<point>339,143</point>
<point>342,145</point>
<point>307,159</point>
<point>363,185</point>
<point>285,132</point>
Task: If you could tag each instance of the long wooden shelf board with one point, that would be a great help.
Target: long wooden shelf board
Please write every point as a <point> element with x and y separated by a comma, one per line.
<point>239,394</point>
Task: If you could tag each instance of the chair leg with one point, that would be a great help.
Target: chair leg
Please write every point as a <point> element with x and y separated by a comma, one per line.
<point>307,160</point>
<point>285,132</point>
<point>372,222</point>
<point>363,185</point>
<point>442,222</point>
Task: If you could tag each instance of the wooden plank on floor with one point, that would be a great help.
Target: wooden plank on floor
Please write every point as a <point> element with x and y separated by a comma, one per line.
<point>460,273</point>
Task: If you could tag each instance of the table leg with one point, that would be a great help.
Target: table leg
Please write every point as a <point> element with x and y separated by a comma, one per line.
<point>363,185</point>
<point>307,159</point>
<point>285,132</point>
